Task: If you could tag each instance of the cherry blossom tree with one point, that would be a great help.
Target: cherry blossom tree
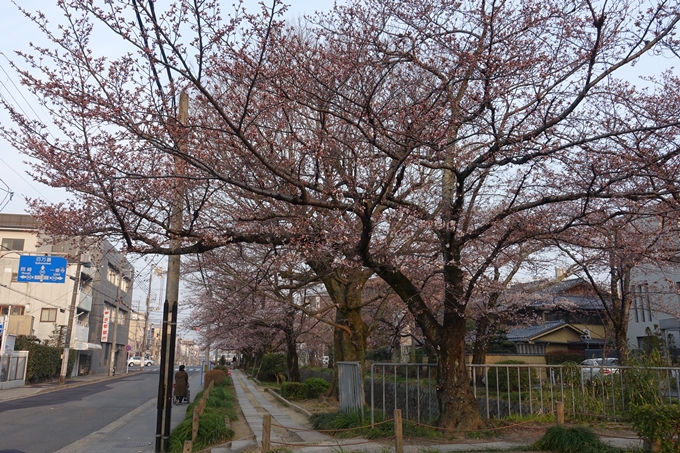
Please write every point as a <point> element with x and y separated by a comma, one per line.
<point>426,138</point>
<point>605,254</point>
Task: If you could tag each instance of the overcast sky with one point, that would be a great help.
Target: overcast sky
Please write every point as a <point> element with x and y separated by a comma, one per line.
<point>18,32</point>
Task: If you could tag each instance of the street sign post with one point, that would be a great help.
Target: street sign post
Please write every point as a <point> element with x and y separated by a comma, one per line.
<point>42,269</point>
<point>4,321</point>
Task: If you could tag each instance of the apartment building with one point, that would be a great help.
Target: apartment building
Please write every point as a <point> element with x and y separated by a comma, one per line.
<point>41,309</point>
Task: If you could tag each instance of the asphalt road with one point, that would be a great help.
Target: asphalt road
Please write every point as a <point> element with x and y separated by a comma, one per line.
<point>46,422</point>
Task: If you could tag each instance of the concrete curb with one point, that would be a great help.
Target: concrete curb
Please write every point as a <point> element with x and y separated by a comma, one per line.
<point>285,401</point>
<point>233,446</point>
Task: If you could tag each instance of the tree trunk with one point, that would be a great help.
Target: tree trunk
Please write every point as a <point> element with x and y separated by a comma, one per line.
<point>458,407</point>
<point>481,345</point>
<point>345,287</point>
<point>349,344</point>
<point>481,341</point>
<point>621,300</point>
<point>292,356</point>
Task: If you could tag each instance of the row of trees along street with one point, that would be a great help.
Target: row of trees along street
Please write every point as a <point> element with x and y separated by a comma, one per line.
<point>408,156</point>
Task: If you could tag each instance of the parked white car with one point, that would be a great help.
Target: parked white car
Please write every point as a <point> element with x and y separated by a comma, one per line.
<point>137,361</point>
<point>591,368</point>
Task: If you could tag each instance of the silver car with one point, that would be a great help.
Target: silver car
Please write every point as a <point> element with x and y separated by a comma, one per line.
<point>137,361</point>
<point>591,368</point>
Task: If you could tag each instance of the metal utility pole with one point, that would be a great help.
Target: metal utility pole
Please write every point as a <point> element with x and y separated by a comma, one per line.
<point>171,300</point>
<point>69,326</point>
<point>146,322</point>
<point>112,360</point>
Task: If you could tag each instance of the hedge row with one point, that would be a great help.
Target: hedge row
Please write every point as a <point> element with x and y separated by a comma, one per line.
<point>212,428</point>
<point>44,362</point>
<point>558,358</point>
<point>311,388</point>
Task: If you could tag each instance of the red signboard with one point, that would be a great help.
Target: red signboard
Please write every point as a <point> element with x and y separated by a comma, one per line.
<point>105,326</point>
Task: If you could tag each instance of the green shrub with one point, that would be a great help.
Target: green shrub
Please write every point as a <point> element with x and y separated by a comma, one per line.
<point>571,440</point>
<point>44,362</point>
<point>315,387</point>
<point>644,384</point>
<point>516,379</point>
<point>212,428</point>
<point>273,367</point>
<point>658,424</point>
<point>294,390</point>
<point>378,355</point>
<point>558,357</point>
<point>223,368</point>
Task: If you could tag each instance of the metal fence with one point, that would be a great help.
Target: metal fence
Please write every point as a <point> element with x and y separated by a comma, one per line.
<point>406,386</point>
<point>12,367</point>
<point>505,390</point>
<point>602,392</point>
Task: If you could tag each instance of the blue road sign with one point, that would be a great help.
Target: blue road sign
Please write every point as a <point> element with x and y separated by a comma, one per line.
<point>42,269</point>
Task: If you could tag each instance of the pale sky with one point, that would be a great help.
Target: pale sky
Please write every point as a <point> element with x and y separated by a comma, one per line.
<point>18,32</point>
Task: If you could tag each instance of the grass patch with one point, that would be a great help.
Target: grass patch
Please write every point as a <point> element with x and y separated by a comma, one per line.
<point>343,425</point>
<point>560,439</point>
<point>212,428</point>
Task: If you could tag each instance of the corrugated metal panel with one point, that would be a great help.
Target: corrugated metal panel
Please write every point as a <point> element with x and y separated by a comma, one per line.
<point>350,387</point>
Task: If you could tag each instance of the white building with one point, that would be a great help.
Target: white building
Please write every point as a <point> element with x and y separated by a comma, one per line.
<point>41,309</point>
<point>656,302</point>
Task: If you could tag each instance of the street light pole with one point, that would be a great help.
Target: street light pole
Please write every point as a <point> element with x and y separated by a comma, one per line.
<point>69,327</point>
<point>171,298</point>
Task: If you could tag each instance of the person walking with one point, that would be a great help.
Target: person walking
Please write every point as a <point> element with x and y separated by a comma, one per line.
<point>181,385</point>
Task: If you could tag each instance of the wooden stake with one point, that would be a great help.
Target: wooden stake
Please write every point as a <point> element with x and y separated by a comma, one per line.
<point>398,432</point>
<point>187,446</point>
<point>266,432</point>
<point>559,409</point>
<point>194,423</point>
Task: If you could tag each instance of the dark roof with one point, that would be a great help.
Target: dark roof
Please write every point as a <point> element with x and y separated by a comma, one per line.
<point>528,332</point>
<point>547,293</point>
<point>580,302</point>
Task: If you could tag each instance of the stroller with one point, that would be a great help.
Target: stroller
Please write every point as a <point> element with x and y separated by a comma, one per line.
<point>180,399</point>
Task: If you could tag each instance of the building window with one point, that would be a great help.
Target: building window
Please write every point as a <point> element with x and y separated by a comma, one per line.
<point>635,305</point>
<point>649,303</point>
<point>112,275</point>
<point>12,244</point>
<point>641,303</point>
<point>16,311</point>
<point>125,285</point>
<point>48,315</point>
